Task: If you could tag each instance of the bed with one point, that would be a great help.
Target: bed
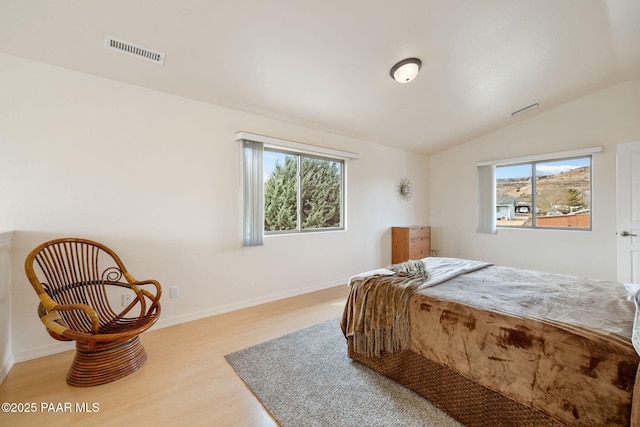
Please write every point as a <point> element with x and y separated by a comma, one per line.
<point>499,346</point>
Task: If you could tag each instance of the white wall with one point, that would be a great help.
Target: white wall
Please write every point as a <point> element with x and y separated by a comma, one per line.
<point>157,178</point>
<point>603,118</point>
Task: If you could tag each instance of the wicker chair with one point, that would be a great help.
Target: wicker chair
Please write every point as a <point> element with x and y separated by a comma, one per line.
<point>79,283</point>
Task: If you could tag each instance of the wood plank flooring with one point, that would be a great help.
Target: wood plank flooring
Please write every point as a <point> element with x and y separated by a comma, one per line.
<point>185,382</point>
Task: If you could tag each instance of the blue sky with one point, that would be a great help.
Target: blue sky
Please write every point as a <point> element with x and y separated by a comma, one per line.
<point>502,172</point>
<point>542,168</point>
<point>269,162</point>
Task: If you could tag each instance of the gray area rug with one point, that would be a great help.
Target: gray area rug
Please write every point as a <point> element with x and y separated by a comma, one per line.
<point>306,379</point>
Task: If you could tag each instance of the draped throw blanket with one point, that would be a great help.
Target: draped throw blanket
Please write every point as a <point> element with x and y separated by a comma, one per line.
<point>376,314</point>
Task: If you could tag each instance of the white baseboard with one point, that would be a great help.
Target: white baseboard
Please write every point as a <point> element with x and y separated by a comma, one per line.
<point>59,347</point>
<point>45,350</point>
<point>214,311</point>
<point>6,367</point>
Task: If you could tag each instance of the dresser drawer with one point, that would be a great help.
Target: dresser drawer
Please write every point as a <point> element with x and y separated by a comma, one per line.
<point>419,232</point>
<point>418,244</point>
<point>419,247</point>
<point>418,255</point>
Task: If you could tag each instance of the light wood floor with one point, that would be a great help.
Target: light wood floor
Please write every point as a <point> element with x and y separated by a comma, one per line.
<point>185,382</point>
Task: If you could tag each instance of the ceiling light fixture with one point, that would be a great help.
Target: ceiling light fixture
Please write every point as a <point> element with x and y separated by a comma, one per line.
<point>525,109</point>
<point>406,70</point>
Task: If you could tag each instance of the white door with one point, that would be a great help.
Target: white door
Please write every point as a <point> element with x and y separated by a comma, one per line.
<point>628,165</point>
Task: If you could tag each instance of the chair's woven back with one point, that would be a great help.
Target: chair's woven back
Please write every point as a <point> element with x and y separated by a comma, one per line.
<point>75,271</point>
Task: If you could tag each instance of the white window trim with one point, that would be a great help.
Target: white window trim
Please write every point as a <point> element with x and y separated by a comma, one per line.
<point>296,146</point>
<point>542,157</point>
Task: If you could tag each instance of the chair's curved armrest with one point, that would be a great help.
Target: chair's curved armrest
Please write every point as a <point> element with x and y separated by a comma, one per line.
<point>53,308</point>
<point>133,282</point>
<point>50,322</point>
<point>150,282</point>
<point>135,286</point>
<point>155,299</point>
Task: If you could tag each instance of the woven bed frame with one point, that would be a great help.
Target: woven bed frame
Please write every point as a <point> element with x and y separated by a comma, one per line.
<point>465,400</point>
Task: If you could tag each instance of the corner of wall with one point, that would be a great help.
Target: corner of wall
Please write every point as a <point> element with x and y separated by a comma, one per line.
<point>6,350</point>
<point>6,367</point>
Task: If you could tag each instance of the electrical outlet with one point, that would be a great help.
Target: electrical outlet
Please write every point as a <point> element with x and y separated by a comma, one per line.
<point>174,292</point>
<point>126,299</point>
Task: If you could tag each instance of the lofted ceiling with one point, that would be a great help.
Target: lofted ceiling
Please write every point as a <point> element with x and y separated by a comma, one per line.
<point>325,64</point>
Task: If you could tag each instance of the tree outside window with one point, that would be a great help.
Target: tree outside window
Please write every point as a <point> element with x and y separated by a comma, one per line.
<point>302,193</point>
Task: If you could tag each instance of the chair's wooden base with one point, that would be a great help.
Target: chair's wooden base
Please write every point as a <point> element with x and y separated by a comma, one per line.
<point>105,363</point>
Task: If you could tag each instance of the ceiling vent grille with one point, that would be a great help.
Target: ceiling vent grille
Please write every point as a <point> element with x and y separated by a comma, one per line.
<point>133,50</point>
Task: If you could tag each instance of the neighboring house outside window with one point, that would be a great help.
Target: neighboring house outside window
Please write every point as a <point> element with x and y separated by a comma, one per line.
<point>545,194</point>
<point>506,208</point>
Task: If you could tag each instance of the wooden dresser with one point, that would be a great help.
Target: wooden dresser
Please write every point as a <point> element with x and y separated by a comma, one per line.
<point>411,242</point>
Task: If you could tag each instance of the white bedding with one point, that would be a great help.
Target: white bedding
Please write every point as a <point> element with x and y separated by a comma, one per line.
<point>440,269</point>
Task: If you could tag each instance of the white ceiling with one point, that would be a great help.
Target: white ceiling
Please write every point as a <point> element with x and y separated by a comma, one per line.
<point>325,64</point>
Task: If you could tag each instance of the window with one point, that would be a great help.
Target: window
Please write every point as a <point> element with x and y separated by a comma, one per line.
<point>290,187</point>
<point>540,191</point>
<point>302,192</point>
<point>553,193</point>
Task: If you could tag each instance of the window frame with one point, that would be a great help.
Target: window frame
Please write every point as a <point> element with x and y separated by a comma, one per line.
<point>487,187</point>
<point>534,196</point>
<point>299,156</point>
<point>252,148</point>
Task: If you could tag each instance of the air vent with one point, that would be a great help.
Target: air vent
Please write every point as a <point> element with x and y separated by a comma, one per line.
<point>133,50</point>
<point>525,110</point>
